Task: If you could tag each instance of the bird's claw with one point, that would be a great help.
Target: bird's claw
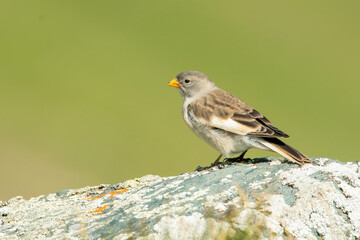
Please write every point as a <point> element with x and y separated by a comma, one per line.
<point>237,160</point>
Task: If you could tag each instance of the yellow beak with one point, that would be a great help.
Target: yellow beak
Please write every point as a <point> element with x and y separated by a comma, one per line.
<point>174,83</point>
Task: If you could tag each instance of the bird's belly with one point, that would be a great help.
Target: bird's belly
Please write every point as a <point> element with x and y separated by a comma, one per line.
<point>225,142</point>
<point>218,139</point>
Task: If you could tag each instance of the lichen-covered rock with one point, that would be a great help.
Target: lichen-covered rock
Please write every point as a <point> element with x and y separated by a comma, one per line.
<point>262,199</point>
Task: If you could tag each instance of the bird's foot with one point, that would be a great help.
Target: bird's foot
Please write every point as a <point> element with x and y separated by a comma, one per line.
<point>200,169</point>
<point>213,166</point>
<point>237,160</point>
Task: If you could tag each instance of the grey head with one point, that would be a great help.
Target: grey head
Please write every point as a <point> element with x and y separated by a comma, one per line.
<point>193,84</point>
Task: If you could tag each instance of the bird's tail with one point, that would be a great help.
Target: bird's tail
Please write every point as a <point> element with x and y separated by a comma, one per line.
<point>285,150</point>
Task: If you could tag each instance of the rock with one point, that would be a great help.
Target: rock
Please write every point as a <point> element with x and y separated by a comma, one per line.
<point>262,199</point>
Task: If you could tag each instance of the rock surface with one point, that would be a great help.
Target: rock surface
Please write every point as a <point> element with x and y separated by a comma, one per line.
<point>262,199</point>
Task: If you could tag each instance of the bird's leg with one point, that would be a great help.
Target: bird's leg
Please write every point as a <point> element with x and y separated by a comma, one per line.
<point>199,169</point>
<point>237,159</point>
<point>241,157</point>
<point>216,161</point>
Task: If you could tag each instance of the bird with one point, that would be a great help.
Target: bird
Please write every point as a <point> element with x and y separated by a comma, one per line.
<point>227,123</point>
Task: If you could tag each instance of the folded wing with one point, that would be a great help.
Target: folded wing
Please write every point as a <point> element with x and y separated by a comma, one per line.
<point>224,111</point>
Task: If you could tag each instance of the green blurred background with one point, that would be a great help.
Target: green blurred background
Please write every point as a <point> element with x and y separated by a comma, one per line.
<point>83,94</point>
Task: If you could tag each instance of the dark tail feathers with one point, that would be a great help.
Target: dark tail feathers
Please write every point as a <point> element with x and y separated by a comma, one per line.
<point>285,150</point>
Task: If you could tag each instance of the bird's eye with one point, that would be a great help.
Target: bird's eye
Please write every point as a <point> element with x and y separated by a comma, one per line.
<point>187,81</point>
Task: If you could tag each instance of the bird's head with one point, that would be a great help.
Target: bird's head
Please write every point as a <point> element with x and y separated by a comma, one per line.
<point>192,84</point>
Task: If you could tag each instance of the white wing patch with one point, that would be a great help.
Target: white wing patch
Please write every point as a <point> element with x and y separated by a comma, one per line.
<point>230,126</point>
